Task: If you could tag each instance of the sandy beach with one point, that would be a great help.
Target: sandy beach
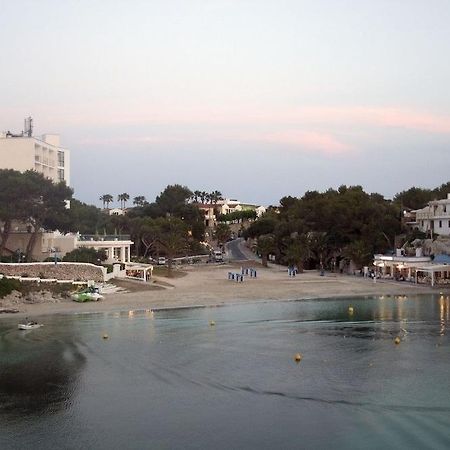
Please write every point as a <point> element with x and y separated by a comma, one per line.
<point>208,285</point>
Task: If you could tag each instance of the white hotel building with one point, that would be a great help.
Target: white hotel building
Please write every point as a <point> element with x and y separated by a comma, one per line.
<point>43,154</point>
<point>435,218</point>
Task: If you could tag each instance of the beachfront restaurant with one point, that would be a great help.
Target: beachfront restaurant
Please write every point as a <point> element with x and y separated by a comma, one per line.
<point>137,271</point>
<point>418,269</point>
<point>434,274</point>
<point>399,267</point>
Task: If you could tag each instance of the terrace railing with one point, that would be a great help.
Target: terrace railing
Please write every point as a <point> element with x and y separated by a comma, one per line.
<point>106,237</point>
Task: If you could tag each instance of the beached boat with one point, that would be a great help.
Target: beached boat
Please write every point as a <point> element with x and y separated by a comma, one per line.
<point>29,325</point>
<point>86,295</point>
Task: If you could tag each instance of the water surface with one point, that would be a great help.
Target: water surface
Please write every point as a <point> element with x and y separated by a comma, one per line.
<point>170,380</point>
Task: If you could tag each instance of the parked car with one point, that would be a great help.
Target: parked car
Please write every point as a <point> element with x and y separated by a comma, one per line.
<point>218,257</point>
<point>162,261</point>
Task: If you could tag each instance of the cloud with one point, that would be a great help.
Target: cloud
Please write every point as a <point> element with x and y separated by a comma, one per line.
<point>308,141</point>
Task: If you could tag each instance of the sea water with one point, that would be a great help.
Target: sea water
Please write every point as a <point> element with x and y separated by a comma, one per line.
<point>171,379</point>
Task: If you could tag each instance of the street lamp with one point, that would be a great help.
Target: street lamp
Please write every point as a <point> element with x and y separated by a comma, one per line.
<point>53,249</point>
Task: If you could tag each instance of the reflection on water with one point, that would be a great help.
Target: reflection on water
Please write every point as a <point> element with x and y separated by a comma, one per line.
<point>38,373</point>
<point>167,379</point>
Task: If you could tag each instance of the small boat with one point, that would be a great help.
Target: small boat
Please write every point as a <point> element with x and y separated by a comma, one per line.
<point>29,325</point>
<point>88,295</point>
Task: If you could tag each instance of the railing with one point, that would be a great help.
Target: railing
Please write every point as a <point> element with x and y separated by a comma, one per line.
<point>106,237</point>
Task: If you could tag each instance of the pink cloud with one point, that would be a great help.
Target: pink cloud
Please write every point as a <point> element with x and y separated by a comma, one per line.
<point>308,141</point>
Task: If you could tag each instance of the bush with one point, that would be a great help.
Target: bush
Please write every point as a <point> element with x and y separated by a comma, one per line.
<point>7,286</point>
<point>85,255</point>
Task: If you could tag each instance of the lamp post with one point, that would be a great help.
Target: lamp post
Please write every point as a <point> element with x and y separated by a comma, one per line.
<point>55,255</point>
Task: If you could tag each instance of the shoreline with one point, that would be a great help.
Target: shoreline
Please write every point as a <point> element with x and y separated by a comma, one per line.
<point>208,286</point>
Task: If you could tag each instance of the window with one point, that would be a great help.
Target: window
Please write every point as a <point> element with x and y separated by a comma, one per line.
<point>440,224</point>
<point>422,223</point>
<point>61,159</point>
<point>60,174</point>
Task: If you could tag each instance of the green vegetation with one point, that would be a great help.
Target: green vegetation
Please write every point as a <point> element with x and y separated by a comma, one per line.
<point>320,229</point>
<point>416,198</point>
<point>85,255</point>
<point>222,233</point>
<point>239,216</point>
<point>32,199</point>
<point>7,286</point>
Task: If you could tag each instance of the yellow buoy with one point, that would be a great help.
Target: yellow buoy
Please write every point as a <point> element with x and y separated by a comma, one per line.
<point>350,309</point>
<point>212,323</point>
<point>298,357</point>
<point>105,336</point>
<point>397,340</point>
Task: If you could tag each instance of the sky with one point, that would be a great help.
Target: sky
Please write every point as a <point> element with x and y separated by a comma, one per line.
<point>255,98</point>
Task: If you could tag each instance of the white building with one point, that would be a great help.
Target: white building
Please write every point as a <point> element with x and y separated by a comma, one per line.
<point>435,218</point>
<point>54,244</point>
<point>43,154</point>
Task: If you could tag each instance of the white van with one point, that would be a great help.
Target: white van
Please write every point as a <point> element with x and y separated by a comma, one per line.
<point>218,257</point>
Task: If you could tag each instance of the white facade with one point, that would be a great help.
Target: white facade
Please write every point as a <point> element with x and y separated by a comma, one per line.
<point>42,154</point>
<point>435,218</point>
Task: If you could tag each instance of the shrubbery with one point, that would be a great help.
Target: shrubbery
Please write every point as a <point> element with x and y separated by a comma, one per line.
<point>85,255</point>
<point>7,286</point>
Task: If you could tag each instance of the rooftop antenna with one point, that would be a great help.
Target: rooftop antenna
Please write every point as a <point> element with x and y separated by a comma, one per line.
<point>28,128</point>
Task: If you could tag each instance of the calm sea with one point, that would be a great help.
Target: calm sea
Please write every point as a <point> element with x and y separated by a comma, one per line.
<point>171,380</point>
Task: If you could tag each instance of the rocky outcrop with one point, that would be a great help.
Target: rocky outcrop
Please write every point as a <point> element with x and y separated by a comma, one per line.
<point>438,246</point>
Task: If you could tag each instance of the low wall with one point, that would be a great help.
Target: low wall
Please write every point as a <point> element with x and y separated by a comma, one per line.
<point>60,271</point>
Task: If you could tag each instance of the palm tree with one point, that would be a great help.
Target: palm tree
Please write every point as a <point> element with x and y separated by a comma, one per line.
<point>265,245</point>
<point>106,199</point>
<point>215,196</point>
<point>196,195</point>
<point>358,252</point>
<point>123,198</point>
<point>298,251</point>
<point>139,200</point>
<point>202,196</point>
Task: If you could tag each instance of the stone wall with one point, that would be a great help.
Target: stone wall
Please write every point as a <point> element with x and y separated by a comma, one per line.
<point>60,271</point>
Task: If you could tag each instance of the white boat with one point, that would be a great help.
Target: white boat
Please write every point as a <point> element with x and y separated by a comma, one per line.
<point>84,296</point>
<point>29,325</point>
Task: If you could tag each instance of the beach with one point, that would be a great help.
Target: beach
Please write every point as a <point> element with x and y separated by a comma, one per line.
<point>208,285</point>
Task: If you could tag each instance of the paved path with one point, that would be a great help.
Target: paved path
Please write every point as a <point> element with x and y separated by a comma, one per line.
<point>237,251</point>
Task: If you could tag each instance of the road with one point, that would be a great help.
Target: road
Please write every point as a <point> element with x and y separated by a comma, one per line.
<point>234,251</point>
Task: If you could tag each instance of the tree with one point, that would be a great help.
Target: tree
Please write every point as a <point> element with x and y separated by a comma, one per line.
<point>222,233</point>
<point>139,200</point>
<point>215,197</point>
<point>123,198</point>
<point>45,203</point>
<point>106,199</point>
<point>173,198</point>
<point>85,255</point>
<point>359,253</point>
<point>173,238</point>
<point>196,195</point>
<point>298,251</point>
<point>13,205</point>
<point>265,244</point>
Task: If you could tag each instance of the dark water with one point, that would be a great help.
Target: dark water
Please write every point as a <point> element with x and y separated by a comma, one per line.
<point>170,380</point>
